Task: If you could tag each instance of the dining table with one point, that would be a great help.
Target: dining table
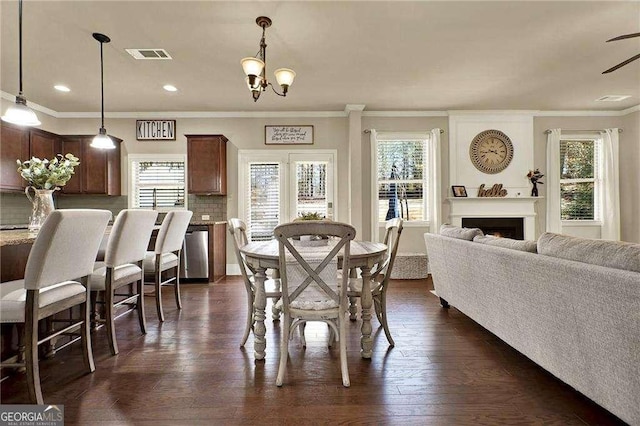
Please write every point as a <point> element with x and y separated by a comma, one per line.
<point>263,255</point>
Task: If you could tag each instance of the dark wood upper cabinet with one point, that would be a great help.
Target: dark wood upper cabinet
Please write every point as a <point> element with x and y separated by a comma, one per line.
<point>207,164</point>
<point>14,146</point>
<point>43,144</point>
<point>99,170</point>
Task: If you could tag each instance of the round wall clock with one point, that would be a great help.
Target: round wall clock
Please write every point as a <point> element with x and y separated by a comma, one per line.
<point>491,151</point>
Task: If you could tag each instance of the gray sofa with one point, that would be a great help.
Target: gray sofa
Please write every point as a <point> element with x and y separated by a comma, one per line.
<point>579,321</point>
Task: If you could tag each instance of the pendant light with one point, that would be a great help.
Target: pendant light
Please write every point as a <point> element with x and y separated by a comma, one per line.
<point>20,113</point>
<point>102,140</point>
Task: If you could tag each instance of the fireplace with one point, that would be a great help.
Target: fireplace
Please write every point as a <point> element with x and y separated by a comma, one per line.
<point>507,227</point>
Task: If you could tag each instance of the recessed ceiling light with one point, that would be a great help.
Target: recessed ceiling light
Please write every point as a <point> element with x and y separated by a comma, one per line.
<point>170,88</point>
<point>61,88</point>
<point>613,98</point>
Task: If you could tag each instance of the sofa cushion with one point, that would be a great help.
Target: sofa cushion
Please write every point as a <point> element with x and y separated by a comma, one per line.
<point>522,245</point>
<point>611,254</point>
<point>460,233</point>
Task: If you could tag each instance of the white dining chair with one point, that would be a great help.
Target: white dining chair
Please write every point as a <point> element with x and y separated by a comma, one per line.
<point>55,280</point>
<point>166,256</point>
<point>238,231</point>
<point>310,289</point>
<point>123,266</point>
<point>380,278</point>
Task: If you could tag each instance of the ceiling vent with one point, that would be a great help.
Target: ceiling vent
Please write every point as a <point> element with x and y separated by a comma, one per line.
<point>613,98</point>
<point>153,54</point>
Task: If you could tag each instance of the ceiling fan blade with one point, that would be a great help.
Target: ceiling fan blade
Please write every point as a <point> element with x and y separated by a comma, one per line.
<point>622,37</point>
<point>621,64</point>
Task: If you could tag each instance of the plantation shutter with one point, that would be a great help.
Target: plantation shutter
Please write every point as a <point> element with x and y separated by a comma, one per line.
<point>158,185</point>
<point>263,200</point>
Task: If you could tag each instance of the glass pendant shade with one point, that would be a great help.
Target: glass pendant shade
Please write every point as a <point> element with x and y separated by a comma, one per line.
<point>285,76</point>
<point>20,114</point>
<point>252,66</point>
<point>102,140</point>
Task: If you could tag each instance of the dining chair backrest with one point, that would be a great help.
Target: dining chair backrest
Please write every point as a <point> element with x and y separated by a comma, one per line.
<point>315,269</point>
<point>393,230</point>
<point>129,237</point>
<point>172,230</point>
<point>238,230</point>
<point>66,247</point>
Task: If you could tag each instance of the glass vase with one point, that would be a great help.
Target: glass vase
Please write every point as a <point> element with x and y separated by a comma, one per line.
<point>42,203</point>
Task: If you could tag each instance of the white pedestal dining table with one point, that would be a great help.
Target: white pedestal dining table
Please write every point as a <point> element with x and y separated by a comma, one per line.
<point>263,255</point>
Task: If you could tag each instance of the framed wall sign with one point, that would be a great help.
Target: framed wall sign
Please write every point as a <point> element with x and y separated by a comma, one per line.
<point>156,130</point>
<point>288,135</point>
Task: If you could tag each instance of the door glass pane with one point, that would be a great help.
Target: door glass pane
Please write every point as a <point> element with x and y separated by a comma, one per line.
<point>264,200</point>
<point>311,184</point>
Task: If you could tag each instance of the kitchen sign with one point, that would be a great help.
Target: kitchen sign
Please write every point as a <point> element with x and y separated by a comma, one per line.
<point>288,135</point>
<point>156,130</point>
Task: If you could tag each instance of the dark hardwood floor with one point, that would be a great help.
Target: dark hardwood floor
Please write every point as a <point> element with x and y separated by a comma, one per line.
<point>444,370</point>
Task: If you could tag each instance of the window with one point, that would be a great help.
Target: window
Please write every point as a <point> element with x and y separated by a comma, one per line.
<point>401,178</point>
<point>157,182</point>
<point>579,179</point>
<point>280,186</point>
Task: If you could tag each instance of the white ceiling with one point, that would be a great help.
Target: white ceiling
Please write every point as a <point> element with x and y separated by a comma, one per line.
<point>387,55</point>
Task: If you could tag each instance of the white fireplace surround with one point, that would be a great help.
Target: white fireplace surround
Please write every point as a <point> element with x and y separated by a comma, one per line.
<point>522,207</point>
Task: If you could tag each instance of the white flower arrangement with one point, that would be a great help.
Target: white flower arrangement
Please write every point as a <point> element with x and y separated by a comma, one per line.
<point>48,174</point>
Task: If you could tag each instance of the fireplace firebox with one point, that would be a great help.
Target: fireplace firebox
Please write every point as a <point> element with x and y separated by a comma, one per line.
<point>507,227</point>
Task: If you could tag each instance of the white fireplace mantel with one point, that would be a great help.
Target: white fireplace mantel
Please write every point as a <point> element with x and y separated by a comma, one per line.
<point>524,207</point>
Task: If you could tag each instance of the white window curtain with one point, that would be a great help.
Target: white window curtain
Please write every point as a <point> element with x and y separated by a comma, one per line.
<point>553,181</point>
<point>435,204</point>
<point>610,186</point>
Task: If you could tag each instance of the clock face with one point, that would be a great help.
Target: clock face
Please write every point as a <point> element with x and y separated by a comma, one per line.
<point>491,151</point>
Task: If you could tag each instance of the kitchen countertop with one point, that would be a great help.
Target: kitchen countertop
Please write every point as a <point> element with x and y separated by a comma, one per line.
<point>16,237</point>
<point>208,222</point>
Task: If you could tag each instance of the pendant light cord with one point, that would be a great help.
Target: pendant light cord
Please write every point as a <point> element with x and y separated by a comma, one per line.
<point>20,42</point>
<point>102,84</point>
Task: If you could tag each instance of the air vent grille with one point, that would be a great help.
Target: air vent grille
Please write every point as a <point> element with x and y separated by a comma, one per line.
<point>149,54</point>
<point>613,98</point>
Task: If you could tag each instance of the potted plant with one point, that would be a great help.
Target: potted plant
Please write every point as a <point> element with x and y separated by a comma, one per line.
<point>44,177</point>
<point>312,240</point>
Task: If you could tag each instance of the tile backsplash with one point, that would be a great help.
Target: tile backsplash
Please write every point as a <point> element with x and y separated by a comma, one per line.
<point>15,208</point>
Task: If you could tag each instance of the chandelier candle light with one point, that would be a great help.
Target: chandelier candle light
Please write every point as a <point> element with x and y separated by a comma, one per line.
<point>255,68</point>
<point>20,113</point>
<point>102,140</point>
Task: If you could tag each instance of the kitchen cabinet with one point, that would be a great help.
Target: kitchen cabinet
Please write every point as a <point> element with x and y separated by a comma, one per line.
<point>14,146</point>
<point>217,251</point>
<point>207,164</point>
<point>43,144</point>
<point>23,143</point>
<point>99,170</point>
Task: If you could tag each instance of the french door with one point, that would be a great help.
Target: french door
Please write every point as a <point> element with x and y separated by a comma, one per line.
<point>275,187</point>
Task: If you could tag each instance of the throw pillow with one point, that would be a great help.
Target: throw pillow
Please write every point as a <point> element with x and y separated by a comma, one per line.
<point>460,233</point>
<point>521,245</point>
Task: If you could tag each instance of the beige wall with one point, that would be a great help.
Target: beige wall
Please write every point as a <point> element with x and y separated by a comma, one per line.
<point>333,133</point>
<point>630,177</point>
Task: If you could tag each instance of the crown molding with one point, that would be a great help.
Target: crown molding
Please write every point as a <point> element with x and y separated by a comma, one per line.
<point>405,113</point>
<point>316,114</point>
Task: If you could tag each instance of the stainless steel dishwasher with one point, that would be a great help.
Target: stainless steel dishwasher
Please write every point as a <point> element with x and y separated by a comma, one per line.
<point>194,262</point>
